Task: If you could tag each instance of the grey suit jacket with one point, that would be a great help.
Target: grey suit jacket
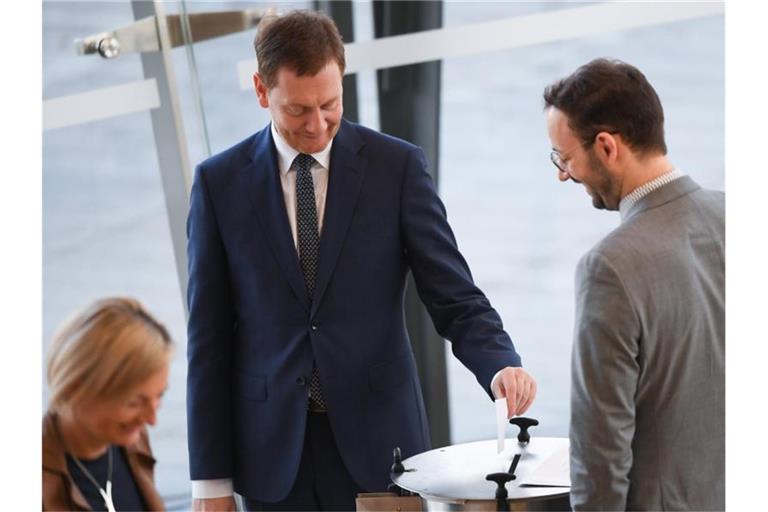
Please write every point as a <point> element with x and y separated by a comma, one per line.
<point>648,369</point>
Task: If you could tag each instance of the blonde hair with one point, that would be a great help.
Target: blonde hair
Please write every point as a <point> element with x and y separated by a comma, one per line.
<point>105,351</point>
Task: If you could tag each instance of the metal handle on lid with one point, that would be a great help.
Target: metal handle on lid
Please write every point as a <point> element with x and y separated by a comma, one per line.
<point>501,480</point>
<point>397,464</point>
<point>524,424</point>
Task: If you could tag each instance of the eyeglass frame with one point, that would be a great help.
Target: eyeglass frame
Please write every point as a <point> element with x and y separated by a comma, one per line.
<point>556,155</point>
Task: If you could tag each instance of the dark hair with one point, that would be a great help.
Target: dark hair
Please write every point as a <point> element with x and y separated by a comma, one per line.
<point>303,41</point>
<point>613,96</point>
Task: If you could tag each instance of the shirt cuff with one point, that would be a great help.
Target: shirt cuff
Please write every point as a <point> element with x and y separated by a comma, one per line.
<point>204,489</point>
<point>493,381</point>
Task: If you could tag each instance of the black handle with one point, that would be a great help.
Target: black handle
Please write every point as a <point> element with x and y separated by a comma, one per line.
<point>501,491</point>
<point>397,462</point>
<point>513,466</point>
<point>524,424</point>
<point>398,491</point>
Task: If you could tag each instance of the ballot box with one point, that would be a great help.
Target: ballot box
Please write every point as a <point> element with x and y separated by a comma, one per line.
<point>529,473</point>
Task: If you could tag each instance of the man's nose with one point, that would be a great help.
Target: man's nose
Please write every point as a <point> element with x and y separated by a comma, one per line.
<point>316,122</point>
<point>563,175</point>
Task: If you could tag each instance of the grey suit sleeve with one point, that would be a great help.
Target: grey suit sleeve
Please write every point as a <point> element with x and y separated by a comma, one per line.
<point>604,380</point>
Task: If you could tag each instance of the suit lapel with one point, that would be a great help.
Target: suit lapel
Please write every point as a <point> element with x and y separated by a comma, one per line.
<point>345,178</point>
<point>269,205</point>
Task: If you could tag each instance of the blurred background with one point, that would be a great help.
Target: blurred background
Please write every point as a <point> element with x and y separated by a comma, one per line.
<point>111,213</point>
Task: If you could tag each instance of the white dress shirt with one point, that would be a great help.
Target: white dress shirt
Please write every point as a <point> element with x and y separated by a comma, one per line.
<point>319,170</point>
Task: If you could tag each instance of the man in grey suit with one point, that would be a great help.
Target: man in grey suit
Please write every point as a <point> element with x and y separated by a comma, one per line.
<point>648,369</point>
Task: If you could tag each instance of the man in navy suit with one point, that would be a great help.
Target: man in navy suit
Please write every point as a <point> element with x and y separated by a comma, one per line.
<point>301,375</point>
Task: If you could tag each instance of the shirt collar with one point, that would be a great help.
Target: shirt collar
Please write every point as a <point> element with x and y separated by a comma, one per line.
<point>628,201</point>
<point>286,154</point>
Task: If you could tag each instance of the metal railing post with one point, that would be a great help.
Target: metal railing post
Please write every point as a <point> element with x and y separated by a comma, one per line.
<point>170,141</point>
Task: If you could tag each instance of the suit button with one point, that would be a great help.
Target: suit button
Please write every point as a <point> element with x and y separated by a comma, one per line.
<point>301,381</point>
<point>314,327</point>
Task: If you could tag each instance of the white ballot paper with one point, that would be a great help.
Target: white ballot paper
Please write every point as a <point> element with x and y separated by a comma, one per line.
<point>501,423</point>
<point>553,472</point>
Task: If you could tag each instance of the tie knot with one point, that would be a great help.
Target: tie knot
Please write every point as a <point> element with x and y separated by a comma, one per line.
<point>303,162</point>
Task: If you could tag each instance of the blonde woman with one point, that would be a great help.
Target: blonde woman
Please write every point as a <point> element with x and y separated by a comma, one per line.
<point>107,371</point>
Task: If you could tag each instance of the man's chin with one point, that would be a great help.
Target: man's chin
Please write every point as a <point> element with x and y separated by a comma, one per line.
<point>309,146</point>
<point>597,201</point>
<point>600,204</point>
<point>313,148</point>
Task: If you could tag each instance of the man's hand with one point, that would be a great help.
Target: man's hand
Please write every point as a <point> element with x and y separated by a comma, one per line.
<point>517,387</point>
<point>226,504</point>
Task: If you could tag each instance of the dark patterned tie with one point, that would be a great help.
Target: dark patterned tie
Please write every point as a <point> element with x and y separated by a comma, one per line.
<point>309,248</point>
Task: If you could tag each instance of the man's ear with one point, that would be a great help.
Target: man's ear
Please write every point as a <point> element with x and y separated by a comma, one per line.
<point>607,147</point>
<point>262,92</point>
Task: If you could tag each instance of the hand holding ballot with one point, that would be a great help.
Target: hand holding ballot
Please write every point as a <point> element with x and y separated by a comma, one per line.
<point>517,386</point>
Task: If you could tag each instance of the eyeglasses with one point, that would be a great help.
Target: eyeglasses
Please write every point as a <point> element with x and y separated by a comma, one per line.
<point>558,161</point>
<point>557,156</point>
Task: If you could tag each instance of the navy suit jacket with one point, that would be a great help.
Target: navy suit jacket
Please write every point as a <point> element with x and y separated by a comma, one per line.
<point>254,332</point>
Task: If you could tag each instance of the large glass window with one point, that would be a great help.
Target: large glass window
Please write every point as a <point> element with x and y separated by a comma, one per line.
<point>105,227</point>
<point>521,230</point>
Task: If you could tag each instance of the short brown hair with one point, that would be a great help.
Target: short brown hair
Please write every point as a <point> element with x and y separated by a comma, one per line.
<point>302,41</point>
<point>613,96</point>
<point>105,351</point>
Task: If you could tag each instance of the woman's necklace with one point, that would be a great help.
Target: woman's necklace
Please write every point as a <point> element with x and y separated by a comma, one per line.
<point>106,495</point>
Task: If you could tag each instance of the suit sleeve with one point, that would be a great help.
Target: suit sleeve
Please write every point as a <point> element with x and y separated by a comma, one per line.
<point>604,374</point>
<point>209,341</point>
<point>459,310</point>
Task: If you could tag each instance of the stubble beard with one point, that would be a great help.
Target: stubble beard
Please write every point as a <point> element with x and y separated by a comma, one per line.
<point>604,187</point>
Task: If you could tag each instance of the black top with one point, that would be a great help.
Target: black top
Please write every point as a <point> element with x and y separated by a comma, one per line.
<point>125,492</point>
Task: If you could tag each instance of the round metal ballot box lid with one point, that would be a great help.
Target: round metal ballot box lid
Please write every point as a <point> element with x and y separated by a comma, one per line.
<point>456,474</point>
